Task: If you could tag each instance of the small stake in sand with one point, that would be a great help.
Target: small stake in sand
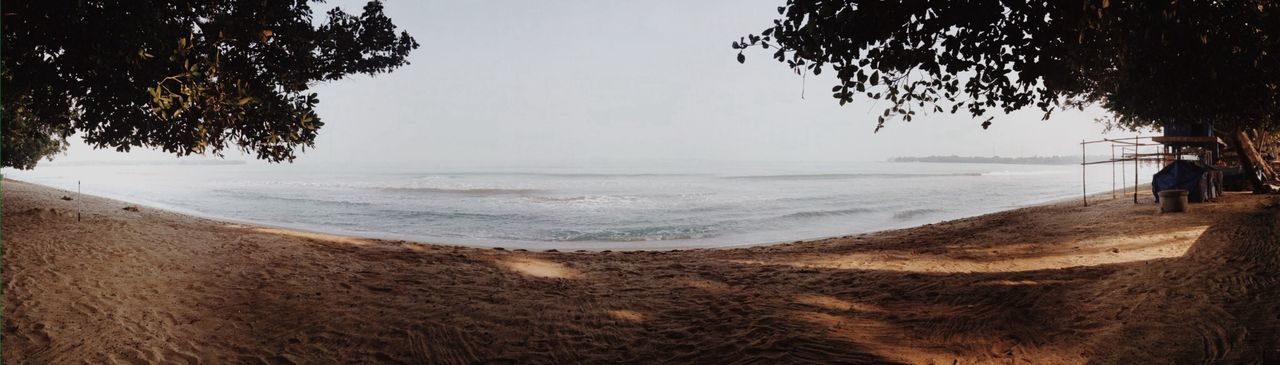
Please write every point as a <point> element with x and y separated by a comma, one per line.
<point>78,203</point>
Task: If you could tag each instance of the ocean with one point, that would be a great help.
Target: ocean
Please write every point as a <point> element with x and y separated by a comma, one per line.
<point>632,206</point>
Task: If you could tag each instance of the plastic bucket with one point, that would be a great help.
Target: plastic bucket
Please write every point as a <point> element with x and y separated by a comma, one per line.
<point>1173,200</point>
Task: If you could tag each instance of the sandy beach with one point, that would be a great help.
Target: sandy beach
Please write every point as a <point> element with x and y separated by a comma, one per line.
<point>1114,282</point>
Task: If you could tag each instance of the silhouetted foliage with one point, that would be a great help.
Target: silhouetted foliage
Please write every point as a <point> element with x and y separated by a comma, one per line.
<point>1145,61</point>
<point>185,77</point>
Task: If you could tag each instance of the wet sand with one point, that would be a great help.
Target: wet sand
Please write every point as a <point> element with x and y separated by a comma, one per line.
<point>1111,283</point>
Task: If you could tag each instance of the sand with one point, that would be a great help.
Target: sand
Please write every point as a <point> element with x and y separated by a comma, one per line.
<point>1111,283</point>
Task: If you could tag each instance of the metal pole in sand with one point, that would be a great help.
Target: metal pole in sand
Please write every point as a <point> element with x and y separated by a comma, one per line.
<point>78,201</point>
<point>1113,171</point>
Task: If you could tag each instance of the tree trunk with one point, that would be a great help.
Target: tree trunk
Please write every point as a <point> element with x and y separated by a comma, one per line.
<point>1247,155</point>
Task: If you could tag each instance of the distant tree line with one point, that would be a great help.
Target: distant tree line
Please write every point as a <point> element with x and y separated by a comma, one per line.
<point>1037,160</point>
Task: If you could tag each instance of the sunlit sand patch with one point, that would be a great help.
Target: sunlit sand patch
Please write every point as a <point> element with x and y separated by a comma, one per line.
<point>877,337</point>
<point>910,345</point>
<point>833,303</point>
<point>708,285</point>
<point>1024,257</point>
<point>312,235</point>
<point>538,268</point>
<point>1019,282</point>
<point>627,315</point>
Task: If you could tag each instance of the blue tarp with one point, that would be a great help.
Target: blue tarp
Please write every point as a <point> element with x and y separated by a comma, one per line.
<point>1184,175</point>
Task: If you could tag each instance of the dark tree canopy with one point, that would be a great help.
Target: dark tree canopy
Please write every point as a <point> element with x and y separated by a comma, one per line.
<point>1147,62</point>
<point>196,76</point>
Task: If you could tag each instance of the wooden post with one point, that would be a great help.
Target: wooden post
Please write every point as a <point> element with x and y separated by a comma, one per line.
<point>1256,156</point>
<point>1250,161</point>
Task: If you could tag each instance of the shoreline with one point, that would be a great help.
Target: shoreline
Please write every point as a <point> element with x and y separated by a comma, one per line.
<point>1111,283</point>
<point>589,246</point>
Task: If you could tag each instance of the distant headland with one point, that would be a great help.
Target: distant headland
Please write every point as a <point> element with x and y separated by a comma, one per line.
<point>1037,160</point>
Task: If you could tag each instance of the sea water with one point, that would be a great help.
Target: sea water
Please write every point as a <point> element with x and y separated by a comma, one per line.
<point>603,206</point>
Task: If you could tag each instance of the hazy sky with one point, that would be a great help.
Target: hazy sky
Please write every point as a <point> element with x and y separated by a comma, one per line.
<point>575,81</point>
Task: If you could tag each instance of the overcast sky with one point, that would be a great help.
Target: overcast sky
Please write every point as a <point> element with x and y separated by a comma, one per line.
<point>570,81</point>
